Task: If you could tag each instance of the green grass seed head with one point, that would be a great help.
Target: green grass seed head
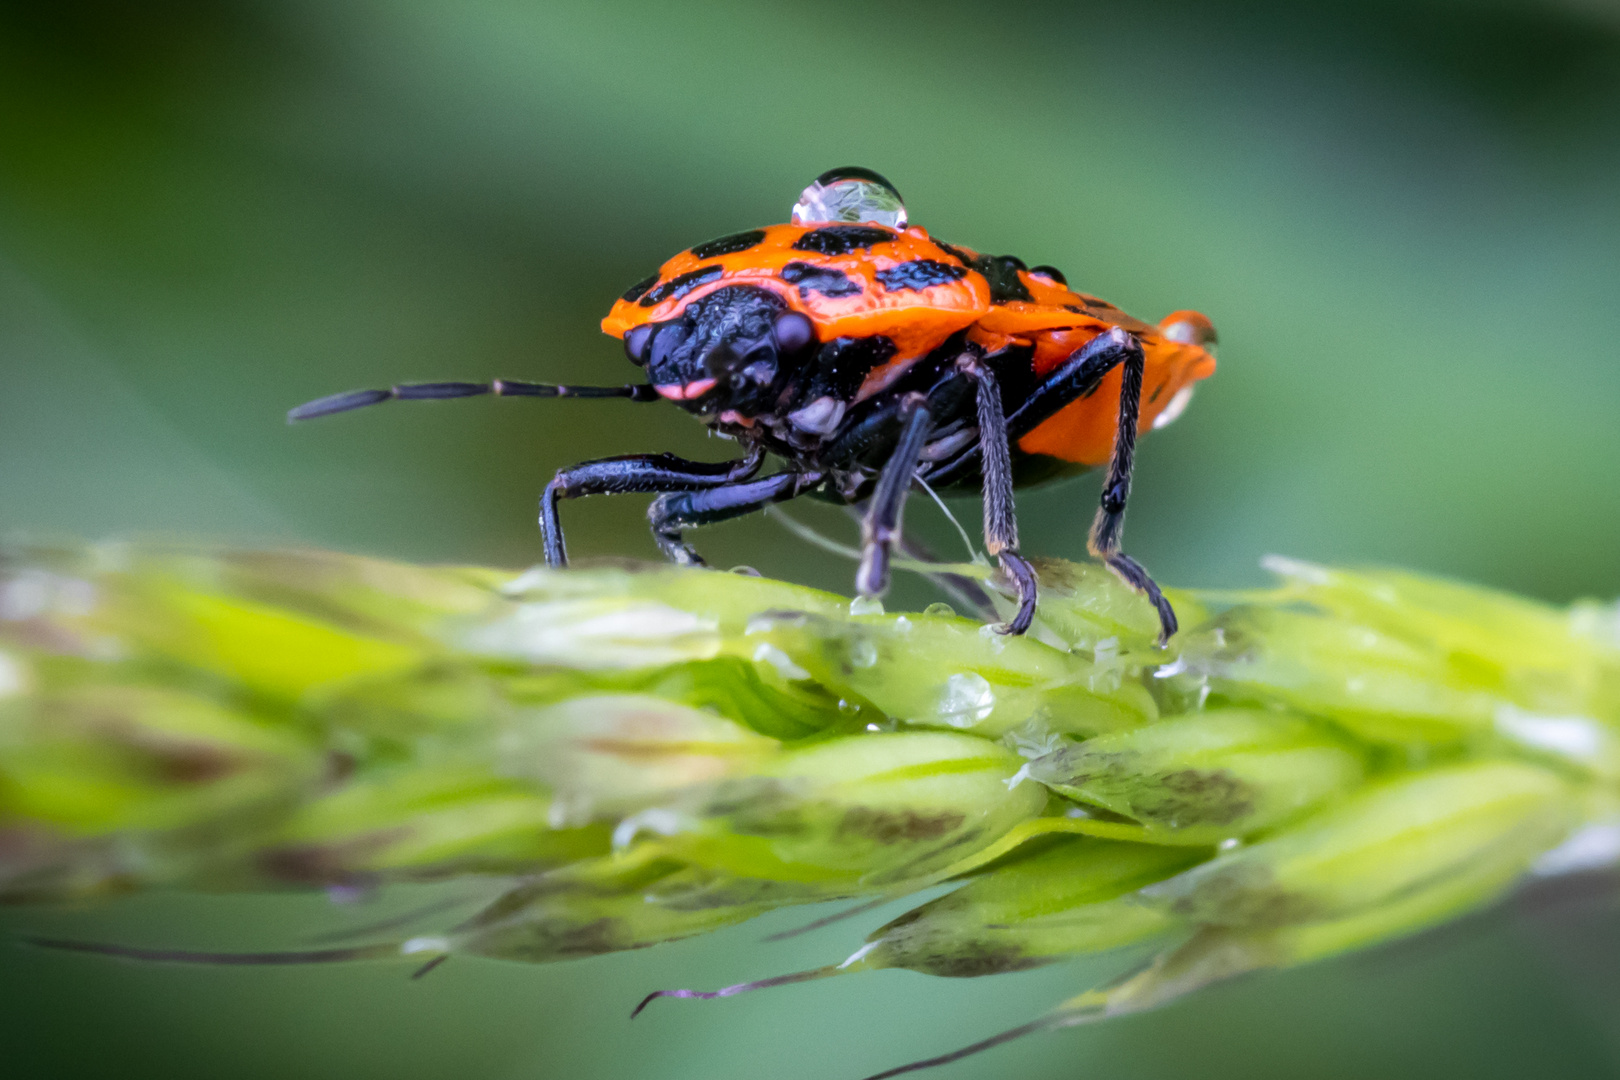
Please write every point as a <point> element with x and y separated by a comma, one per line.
<point>658,753</point>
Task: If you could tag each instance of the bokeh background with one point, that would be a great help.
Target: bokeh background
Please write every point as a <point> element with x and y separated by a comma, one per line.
<point>1404,218</point>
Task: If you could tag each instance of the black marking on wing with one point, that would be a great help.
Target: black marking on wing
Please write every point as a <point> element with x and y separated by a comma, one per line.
<point>729,245</point>
<point>1051,272</point>
<point>919,274</point>
<point>820,279</point>
<point>841,239</point>
<point>678,287</point>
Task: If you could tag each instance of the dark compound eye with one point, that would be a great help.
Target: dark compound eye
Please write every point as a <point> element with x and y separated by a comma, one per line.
<point>793,332</point>
<point>636,342</point>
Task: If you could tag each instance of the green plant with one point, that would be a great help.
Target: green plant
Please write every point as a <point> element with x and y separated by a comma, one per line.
<point>651,753</point>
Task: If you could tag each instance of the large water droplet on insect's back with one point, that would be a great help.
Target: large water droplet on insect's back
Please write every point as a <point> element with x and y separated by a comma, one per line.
<point>850,195</point>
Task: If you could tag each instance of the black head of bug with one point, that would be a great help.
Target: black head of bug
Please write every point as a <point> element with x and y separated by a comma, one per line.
<point>727,351</point>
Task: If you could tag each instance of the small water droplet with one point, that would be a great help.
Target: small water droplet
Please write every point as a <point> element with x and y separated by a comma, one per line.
<point>866,605</point>
<point>850,195</point>
<point>966,700</point>
<point>940,611</point>
<point>862,653</point>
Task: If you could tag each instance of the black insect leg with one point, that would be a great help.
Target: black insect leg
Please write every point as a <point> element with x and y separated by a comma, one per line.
<point>438,391</point>
<point>965,591</point>
<point>1000,524</point>
<point>637,472</point>
<point>1110,521</point>
<point>881,528</point>
<point>678,510</point>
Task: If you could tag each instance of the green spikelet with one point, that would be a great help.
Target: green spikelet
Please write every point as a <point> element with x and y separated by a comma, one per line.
<point>655,753</point>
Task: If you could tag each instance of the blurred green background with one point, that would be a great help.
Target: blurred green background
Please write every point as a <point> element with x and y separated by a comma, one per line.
<point>1404,218</point>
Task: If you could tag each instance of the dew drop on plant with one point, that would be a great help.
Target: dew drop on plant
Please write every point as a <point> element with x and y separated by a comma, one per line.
<point>966,700</point>
<point>850,195</point>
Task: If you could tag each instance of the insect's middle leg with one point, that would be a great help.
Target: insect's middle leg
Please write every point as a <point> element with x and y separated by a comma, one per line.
<point>881,528</point>
<point>1000,525</point>
<point>675,511</point>
<point>637,472</point>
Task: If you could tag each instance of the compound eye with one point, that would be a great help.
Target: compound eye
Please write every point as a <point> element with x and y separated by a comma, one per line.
<point>636,342</point>
<point>793,332</point>
<point>851,194</point>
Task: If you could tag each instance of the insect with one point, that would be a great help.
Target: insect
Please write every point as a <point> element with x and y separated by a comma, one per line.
<point>866,356</point>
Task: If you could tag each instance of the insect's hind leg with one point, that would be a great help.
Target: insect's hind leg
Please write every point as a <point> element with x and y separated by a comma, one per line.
<point>1076,378</point>
<point>633,473</point>
<point>1104,539</point>
<point>678,510</point>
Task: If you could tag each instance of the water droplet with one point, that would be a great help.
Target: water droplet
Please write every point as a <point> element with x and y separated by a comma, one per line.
<point>862,653</point>
<point>940,611</point>
<point>781,661</point>
<point>866,605</point>
<point>966,700</point>
<point>850,195</point>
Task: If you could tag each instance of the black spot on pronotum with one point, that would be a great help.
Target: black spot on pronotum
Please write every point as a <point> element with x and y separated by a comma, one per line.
<point>919,274</point>
<point>677,287</point>
<point>1051,272</point>
<point>1001,272</point>
<point>729,245</point>
<point>819,279</point>
<point>841,239</point>
<point>636,291</point>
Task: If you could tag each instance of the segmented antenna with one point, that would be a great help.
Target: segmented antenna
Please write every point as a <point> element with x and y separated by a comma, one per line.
<point>359,399</point>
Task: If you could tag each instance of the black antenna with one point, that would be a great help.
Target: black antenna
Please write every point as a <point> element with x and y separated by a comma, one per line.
<point>359,399</point>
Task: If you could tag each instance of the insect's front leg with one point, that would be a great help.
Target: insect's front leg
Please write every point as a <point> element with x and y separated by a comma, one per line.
<point>632,473</point>
<point>673,512</point>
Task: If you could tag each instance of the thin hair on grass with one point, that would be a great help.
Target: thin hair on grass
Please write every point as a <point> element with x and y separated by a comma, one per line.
<point>810,536</point>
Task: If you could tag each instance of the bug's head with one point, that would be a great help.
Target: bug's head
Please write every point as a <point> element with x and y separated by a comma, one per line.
<point>727,351</point>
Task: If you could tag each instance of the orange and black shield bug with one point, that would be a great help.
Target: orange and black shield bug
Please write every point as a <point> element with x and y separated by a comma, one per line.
<point>864,355</point>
